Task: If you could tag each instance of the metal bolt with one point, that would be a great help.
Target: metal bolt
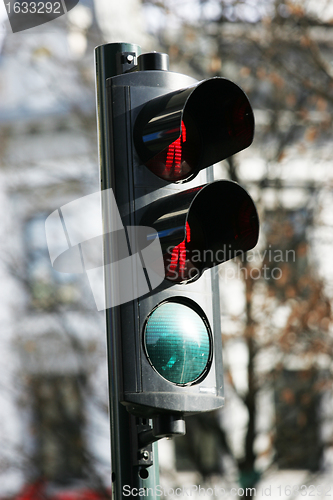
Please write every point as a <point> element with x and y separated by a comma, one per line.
<point>145,455</point>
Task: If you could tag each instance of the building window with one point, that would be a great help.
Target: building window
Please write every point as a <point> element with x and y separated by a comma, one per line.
<point>58,427</point>
<point>49,288</point>
<point>297,401</point>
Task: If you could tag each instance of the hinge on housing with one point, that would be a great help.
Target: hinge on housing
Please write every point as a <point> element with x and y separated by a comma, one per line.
<point>142,455</point>
<point>125,62</point>
<point>151,430</point>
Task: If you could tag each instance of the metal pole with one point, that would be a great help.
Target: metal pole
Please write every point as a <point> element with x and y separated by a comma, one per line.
<point>123,425</point>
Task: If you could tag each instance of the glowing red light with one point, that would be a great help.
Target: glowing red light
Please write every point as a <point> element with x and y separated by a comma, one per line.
<point>175,162</point>
<point>176,270</point>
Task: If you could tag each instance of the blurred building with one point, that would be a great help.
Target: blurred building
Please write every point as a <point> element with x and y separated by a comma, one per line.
<point>53,374</point>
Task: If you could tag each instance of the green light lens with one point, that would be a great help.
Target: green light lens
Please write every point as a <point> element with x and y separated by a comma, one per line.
<point>177,342</point>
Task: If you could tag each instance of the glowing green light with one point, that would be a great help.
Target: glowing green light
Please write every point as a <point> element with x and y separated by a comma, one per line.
<point>177,342</point>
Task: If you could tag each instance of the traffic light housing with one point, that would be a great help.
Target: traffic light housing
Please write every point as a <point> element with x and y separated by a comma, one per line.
<point>165,131</point>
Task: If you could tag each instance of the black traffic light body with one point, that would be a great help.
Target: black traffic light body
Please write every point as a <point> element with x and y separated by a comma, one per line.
<point>166,129</point>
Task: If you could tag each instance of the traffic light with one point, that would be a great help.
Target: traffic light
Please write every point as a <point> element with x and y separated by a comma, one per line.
<point>165,131</point>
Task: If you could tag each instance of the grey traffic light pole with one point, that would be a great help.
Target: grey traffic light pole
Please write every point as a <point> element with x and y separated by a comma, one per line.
<point>142,108</point>
<point>126,454</point>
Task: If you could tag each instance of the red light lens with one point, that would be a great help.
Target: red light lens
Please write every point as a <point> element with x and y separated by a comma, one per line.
<point>222,222</point>
<point>179,160</point>
<point>178,265</point>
